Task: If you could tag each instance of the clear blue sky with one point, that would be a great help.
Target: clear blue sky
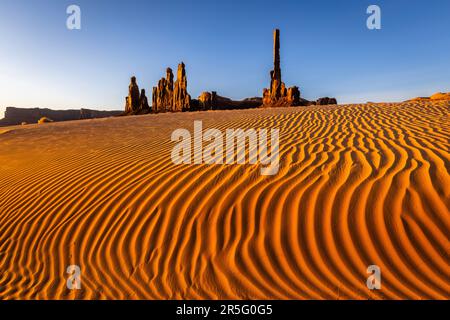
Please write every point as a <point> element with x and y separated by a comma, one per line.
<point>326,49</point>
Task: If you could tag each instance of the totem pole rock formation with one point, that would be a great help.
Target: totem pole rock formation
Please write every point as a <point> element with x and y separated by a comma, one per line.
<point>277,87</point>
<point>133,96</point>
<point>168,96</point>
<point>278,94</point>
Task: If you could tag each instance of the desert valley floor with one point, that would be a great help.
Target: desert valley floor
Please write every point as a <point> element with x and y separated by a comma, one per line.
<point>358,185</point>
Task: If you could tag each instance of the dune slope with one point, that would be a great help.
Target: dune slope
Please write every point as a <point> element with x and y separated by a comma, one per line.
<point>358,185</point>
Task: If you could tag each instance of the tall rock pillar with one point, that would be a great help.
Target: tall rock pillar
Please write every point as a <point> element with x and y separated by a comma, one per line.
<point>276,83</point>
<point>133,95</point>
<point>181,98</point>
<point>276,55</point>
<point>277,94</point>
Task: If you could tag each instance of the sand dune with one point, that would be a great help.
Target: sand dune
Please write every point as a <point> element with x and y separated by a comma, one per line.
<point>357,185</point>
<point>436,96</point>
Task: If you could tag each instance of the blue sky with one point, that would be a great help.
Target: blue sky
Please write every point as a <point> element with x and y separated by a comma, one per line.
<point>326,49</point>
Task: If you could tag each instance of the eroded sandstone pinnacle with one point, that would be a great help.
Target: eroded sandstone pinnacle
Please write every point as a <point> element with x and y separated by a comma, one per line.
<point>278,94</point>
<point>133,96</point>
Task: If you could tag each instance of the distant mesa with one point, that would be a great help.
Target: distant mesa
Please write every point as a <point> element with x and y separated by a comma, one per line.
<point>170,96</point>
<point>17,116</point>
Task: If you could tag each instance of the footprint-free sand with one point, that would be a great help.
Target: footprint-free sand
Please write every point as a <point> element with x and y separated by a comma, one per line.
<point>358,185</point>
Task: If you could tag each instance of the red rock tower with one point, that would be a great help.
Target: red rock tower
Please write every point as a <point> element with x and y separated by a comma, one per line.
<point>276,76</point>
<point>278,94</point>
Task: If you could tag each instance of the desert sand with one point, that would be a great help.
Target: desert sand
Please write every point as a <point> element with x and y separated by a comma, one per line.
<point>357,185</point>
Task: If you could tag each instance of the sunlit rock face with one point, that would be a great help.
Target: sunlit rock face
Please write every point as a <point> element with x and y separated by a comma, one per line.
<point>168,96</point>
<point>207,100</point>
<point>162,94</point>
<point>278,94</point>
<point>181,99</point>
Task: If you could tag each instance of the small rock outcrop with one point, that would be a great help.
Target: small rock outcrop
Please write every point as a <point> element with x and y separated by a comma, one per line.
<point>213,101</point>
<point>127,106</point>
<point>325,101</point>
<point>44,120</point>
<point>207,100</point>
<point>293,96</point>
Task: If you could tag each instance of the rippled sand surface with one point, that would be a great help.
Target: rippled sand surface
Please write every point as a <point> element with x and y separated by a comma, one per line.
<point>357,185</point>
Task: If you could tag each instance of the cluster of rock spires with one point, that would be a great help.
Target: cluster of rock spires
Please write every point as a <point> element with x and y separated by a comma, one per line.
<point>168,96</point>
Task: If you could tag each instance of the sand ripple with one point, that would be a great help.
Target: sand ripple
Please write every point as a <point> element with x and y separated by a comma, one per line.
<point>358,185</point>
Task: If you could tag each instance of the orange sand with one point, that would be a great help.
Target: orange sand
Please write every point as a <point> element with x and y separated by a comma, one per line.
<point>357,185</point>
